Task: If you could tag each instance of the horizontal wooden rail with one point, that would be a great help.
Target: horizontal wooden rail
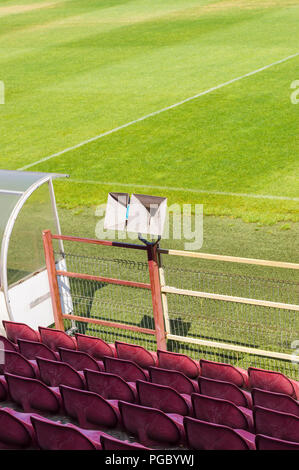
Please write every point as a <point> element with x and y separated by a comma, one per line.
<point>234,347</point>
<point>230,259</point>
<point>109,324</point>
<point>108,280</point>
<point>229,298</point>
<point>94,241</point>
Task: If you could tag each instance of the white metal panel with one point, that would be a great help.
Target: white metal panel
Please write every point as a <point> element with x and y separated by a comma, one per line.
<point>64,289</point>
<point>30,301</point>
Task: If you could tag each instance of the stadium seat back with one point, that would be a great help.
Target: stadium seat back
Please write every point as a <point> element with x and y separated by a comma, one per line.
<point>175,379</point>
<point>136,353</point>
<point>15,363</point>
<point>270,443</point>
<point>179,362</point>
<point>162,397</point>
<point>14,432</point>
<point>32,349</point>
<point>16,330</point>
<point>79,360</point>
<point>225,390</point>
<point>88,408</point>
<point>56,436</point>
<point>271,381</point>
<point>224,372</point>
<point>109,386</point>
<point>55,339</point>
<point>276,424</point>
<point>202,435</point>
<point>152,426</point>
<point>94,346</point>
<point>7,345</point>
<point>32,394</point>
<point>275,401</point>
<point>218,411</point>
<point>55,373</point>
<point>128,370</point>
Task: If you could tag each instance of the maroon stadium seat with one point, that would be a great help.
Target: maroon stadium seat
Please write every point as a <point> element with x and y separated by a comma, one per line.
<point>7,345</point>
<point>180,362</point>
<point>33,395</point>
<point>226,390</point>
<point>202,435</point>
<point>276,424</point>
<point>55,373</point>
<point>96,347</point>
<point>56,339</point>
<point>163,397</point>
<point>175,379</point>
<point>128,370</point>
<point>275,401</point>
<point>271,443</point>
<point>136,353</point>
<point>218,411</point>
<point>110,386</point>
<point>32,349</point>
<point>225,372</point>
<point>16,430</point>
<point>15,330</point>
<point>56,436</point>
<point>152,426</point>
<point>273,382</point>
<point>17,364</point>
<point>89,409</point>
<point>80,360</point>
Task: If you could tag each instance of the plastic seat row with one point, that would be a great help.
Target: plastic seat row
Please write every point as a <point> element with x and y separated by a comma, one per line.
<point>164,397</point>
<point>150,424</point>
<point>23,430</point>
<point>32,431</point>
<point>97,348</point>
<point>118,382</point>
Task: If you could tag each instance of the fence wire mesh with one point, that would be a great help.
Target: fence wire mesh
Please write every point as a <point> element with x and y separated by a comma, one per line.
<point>252,326</point>
<point>109,302</point>
<point>233,323</point>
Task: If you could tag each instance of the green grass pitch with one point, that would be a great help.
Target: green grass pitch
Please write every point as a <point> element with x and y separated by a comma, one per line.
<point>73,70</point>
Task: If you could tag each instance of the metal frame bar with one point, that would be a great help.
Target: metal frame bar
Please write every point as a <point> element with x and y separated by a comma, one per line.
<point>54,288</point>
<point>229,298</point>
<point>99,242</point>
<point>122,326</point>
<point>233,347</point>
<point>230,259</point>
<point>154,286</point>
<point>108,280</point>
<point>153,268</point>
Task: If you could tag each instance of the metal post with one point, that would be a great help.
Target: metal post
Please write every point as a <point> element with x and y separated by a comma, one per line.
<point>163,295</point>
<point>156,296</point>
<point>54,289</point>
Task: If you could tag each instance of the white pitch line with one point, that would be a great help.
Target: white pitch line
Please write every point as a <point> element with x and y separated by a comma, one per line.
<point>155,113</point>
<point>188,190</point>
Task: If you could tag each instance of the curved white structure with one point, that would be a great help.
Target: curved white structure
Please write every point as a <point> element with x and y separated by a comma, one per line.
<point>24,296</point>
